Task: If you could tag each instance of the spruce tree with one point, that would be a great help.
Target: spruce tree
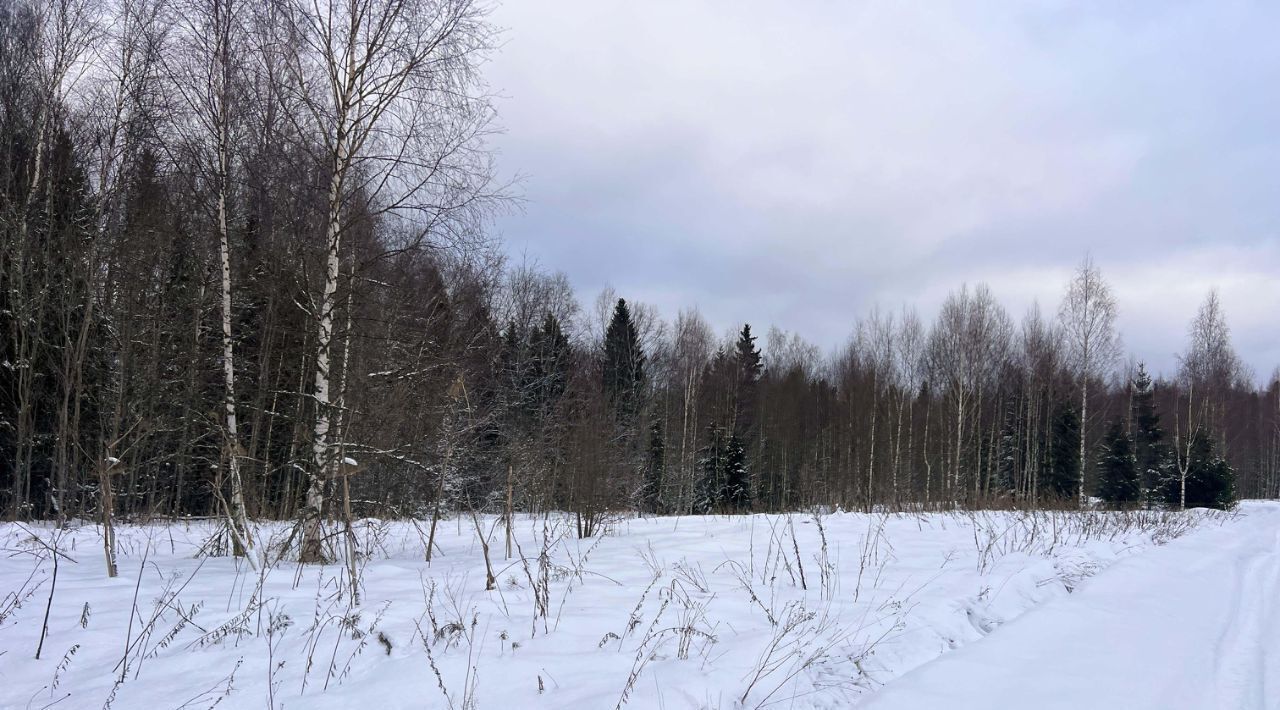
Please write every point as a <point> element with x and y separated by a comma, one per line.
<point>711,463</point>
<point>549,354</point>
<point>1149,448</point>
<point>1062,474</point>
<point>1215,487</point>
<point>655,470</point>
<point>749,365</point>
<point>1007,451</point>
<point>1119,481</point>
<point>1210,479</point>
<point>750,362</point>
<point>736,494</point>
<point>623,364</point>
<point>513,367</point>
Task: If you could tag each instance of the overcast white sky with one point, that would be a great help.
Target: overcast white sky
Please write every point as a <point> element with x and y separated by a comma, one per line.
<point>795,163</point>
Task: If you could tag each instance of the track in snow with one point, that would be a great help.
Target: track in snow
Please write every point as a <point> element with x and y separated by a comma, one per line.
<point>1190,625</point>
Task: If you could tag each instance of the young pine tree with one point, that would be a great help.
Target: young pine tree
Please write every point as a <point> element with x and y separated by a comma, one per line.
<point>1119,481</point>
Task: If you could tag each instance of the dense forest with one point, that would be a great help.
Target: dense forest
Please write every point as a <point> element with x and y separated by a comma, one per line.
<point>245,272</point>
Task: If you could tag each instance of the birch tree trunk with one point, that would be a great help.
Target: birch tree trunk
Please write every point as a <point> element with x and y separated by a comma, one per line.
<point>387,86</point>
<point>222,16</point>
<point>1084,426</point>
<point>320,454</point>
<point>239,523</point>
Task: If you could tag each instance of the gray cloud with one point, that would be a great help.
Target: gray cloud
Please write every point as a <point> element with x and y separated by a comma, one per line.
<point>796,163</point>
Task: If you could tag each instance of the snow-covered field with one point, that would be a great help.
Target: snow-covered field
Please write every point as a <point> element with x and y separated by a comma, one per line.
<point>796,611</point>
<point>1195,625</point>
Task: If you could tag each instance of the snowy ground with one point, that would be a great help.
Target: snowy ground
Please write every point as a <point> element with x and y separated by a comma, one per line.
<point>1195,624</point>
<point>694,612</point>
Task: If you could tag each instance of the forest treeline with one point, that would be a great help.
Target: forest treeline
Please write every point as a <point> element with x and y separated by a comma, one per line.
<point>244,272</point>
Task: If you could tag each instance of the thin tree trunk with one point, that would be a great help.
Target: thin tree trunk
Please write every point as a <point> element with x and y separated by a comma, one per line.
<point>508,511</point>
<point>311,545</point>
<point>239,527</point>
<point>1084,429</point>
<point>871,455</point>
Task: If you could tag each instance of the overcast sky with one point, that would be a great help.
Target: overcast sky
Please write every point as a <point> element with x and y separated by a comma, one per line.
<point>795,163</point>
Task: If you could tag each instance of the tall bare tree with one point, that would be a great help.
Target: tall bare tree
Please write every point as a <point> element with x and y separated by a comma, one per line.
<point>908,365</point>
<point>1040,361</point>
<point>207,76</point>
<point>1207,371</point>
<point>691,351</point>
<point>390,91</point>
<point>876,343</point>
<point>967,347</point>
<point>1211,362</point>
<point>1088,319</point>
<point>64,33</point>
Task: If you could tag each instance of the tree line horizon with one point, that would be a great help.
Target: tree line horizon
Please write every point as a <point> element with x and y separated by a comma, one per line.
<point>246,271</point>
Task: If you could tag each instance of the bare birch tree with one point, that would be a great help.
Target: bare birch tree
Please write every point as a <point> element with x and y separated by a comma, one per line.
<point>1088,319</point>
<point>206,76</point>
<point>876,337</point>
<point>691,351</point>
<point>967,347</point>
<point>390,92</point>
<point>908,363</point>
<point>1040,362</point>
<point>1211,361</point>
<point>1207,371</point>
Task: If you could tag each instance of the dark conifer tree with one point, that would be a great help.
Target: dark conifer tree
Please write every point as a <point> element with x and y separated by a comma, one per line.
<point>623,364</point>
<point>1062,474</point>
<point>1119,481</point>
<point>655,470</point>
<point>736,495</point>
<point>1216,486</point>
<point>749,366</point>
<point>711,465</point>
<point>1210,479</point>
<point>550,358</point>
<point>1150,450</point>
<point>1007,450</point>
<point>515,372</point>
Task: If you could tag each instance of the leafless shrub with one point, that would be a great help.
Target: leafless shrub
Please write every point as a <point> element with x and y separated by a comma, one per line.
<point>539,581</point>
<point>12,601</point>
<point>826,568</point>
<point>875,553</point>
<point>1042,532</point>
<point>691,625</point>
<point>649,557</point>
<point>277,623</point>
<point>692,575</point>
<point>795,548</point>
<point>801,638</point>
<point>215,694</point>
<point>453,633</point>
